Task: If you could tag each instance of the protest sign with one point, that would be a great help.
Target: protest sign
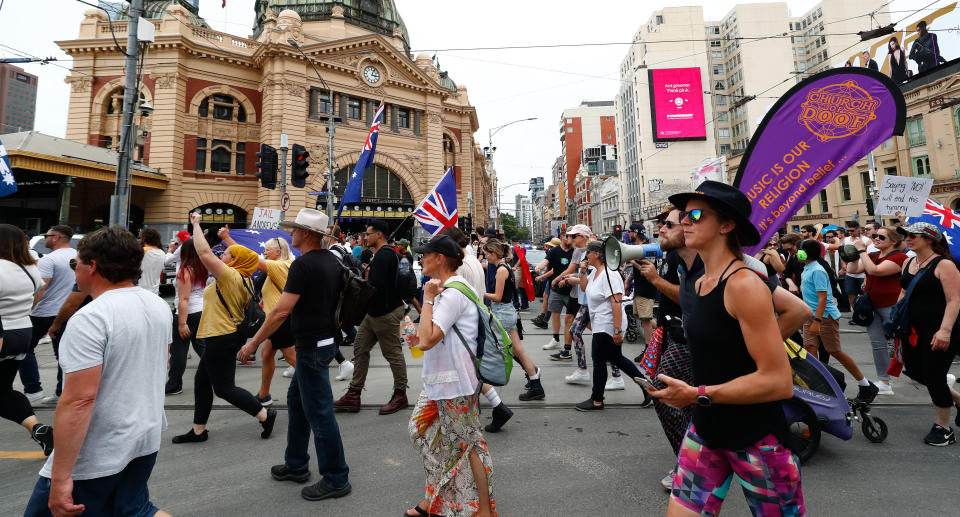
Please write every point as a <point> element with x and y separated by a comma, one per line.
<point>903,194</point>
<point>817,130</point>
<point>265,218</point>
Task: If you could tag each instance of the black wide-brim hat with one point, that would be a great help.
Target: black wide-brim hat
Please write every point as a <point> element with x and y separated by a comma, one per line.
<point>730,197</point>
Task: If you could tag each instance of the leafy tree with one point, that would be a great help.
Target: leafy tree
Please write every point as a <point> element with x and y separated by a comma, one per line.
<point>510,229</point>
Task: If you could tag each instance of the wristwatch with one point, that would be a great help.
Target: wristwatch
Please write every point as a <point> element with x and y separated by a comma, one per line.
<point>617,331</point>
<point>818,320</point>
<point>703,400</point>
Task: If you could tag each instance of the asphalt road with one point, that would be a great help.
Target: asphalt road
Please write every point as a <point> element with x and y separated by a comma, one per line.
<point>550,460</point>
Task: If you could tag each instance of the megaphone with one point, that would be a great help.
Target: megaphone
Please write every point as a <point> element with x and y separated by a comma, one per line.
<point>616,253</point>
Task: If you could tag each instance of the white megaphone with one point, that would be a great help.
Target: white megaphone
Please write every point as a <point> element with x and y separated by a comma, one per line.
<point>616,253</point>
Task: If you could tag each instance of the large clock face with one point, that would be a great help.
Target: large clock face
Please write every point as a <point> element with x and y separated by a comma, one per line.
<point>371,74</point>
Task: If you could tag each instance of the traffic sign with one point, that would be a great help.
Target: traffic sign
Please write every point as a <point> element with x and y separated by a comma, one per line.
<point>317,193</point>
<point>285,202</point>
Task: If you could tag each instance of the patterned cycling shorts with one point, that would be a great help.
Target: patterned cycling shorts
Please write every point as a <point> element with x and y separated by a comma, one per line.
<point>768,472</point>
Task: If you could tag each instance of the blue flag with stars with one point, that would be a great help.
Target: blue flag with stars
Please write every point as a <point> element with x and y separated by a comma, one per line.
<point>352,193</point>
<point>257,240</point>
<point>8,185</point>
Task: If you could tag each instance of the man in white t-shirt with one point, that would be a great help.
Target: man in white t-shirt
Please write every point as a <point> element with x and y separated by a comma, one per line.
<point>114,357</point>
<point>58,284</point>
<point>853,283</point>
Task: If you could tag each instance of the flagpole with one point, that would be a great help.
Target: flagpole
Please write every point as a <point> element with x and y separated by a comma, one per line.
<point>394,233</point>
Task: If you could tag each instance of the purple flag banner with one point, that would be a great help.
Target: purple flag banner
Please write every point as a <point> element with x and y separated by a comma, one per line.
<point>817,130</point>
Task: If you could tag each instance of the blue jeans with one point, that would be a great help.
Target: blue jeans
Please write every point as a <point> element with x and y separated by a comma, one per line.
<point>29,370</point>
<point>310,408</point>
<point>124,493</point>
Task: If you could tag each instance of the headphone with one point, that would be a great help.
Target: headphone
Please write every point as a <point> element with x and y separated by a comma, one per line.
<point>802,255</point>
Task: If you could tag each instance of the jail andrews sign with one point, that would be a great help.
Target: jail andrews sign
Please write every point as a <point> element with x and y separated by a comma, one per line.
<point>817,130</point>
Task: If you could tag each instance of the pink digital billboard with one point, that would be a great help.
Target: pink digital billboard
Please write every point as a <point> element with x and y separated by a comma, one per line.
<point>676,100</point>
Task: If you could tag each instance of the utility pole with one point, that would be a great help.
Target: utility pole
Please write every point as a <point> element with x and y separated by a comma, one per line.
<point>874,191</point>
<point>283,171</point>
<point>120,200</point>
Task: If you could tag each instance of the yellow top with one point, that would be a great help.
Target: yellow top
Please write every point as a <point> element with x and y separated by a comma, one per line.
<point>277,271</point>
<point>215,321</point>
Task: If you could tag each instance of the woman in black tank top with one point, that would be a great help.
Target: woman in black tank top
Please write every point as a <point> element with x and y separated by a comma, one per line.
<point>740,368</point>
<point>933,307</point>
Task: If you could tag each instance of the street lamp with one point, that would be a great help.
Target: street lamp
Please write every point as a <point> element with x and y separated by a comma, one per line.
<point>499,192</point>
<point>488,154</point>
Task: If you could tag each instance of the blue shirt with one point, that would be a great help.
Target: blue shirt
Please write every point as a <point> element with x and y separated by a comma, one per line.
<point>814,280</point>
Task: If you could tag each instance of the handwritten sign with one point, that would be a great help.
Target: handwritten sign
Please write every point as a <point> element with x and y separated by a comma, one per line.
<point>901,194</point>
<point>265,219</point>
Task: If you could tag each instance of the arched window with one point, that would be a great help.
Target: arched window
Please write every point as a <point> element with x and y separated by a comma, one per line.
<point>221,213</point>
<point>378,183</point>
<point>111,123</point>
<point>225,153</point>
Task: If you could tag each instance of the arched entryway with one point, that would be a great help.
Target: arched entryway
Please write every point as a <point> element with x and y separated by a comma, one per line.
<point>220,214</point>
<point>384,197</point>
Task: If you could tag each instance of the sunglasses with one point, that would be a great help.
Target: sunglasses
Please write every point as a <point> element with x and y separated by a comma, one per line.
<point>878,236</point>
<point>49,235</point>
<point>668,224</point>
<point>694,215</point>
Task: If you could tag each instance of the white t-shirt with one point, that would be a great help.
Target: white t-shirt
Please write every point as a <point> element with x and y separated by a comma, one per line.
<point>16,294</point>
<point>598,301</point>
<point>126,331</point>
<point>55,266</point>
<point>868,243</point>
<point>448,370</point>
<point>472,271</point>
<point>579,255</point>
<point>150,269</point>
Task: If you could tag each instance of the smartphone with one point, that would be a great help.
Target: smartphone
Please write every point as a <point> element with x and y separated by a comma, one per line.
<point>645,384</point>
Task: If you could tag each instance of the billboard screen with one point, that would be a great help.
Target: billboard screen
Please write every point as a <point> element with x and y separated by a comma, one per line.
<point>676,103</point>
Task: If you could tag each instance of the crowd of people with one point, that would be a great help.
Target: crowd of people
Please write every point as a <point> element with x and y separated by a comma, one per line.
<point>924,51</point>
<point>714,362</point>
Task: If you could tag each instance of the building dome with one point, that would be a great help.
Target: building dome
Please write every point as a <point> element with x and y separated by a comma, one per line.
<point>379,16</point>
<point>156,9</point>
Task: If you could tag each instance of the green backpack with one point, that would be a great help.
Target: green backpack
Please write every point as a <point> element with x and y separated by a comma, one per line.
<point>494,357</point>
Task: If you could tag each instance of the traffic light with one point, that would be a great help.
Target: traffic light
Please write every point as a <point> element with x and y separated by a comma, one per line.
<point>869,206</point>
<point>617,230</point>
<point>300,164</point>
<point>267,166</point>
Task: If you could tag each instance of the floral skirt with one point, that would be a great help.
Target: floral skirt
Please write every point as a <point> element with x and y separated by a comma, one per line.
<point>444,432</point>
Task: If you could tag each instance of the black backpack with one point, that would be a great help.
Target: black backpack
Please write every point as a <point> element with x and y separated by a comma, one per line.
<point>355,295</point>
<point>406,280</point>
<point>253,315</point>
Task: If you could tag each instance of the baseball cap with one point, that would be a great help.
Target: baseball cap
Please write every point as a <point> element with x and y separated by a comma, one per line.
<point>921,228</point>
<point>441,244</point>
<point>183,236</point>
<point>637,228</point>
<point>580,229</point>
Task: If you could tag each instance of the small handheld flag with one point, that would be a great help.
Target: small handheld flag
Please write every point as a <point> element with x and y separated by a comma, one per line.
<point>439,209</point>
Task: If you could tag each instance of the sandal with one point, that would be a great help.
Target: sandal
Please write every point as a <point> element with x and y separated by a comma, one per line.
<point>420,513</point>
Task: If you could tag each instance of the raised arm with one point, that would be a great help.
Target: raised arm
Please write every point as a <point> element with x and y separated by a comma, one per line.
<point>209,259</point>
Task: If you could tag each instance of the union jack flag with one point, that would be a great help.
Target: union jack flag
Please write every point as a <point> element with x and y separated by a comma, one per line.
<point>351,194</point>
<point>439,209</point>
<point>948,221</point>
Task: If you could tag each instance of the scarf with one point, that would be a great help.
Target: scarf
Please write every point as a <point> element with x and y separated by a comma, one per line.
<point>245,260</point>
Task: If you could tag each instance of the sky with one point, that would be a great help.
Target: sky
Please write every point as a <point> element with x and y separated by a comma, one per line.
<point>503,84</point>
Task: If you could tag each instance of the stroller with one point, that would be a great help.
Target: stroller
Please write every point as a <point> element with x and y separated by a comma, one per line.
<point>818,405</point>
<point>632,335</point>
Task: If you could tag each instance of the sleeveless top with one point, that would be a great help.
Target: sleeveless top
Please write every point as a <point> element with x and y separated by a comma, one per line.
<point>927,304</point>
<point>509,285</point>
<point>720,355</point>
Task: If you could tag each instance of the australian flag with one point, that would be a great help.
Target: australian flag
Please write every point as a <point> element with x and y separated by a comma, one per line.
<point>352,193</point>
<point>8,185</point>
<point>439,209</point>
<point>948,221</point>
<point>257,240</point>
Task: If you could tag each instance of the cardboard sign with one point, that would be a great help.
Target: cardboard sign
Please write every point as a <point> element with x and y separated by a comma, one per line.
<point>903,194</point>
<point>265,218</point>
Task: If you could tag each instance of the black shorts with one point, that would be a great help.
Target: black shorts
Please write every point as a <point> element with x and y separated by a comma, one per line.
<point>283,337</point>
<point>572,306</point>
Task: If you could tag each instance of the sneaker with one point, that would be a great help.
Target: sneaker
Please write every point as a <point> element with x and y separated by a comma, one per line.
<point>638,359</point>
<point>268,424</point>
<point>563,355</point>
<point>320,491</point>
<point>265,401</point>
<point>578,377</point>
<point>614,383</point>
<point>191,437</point>
<point>540,322</point>
<point>552,345</point>
<point>288,372</point>
<point>43,435</point>
<point>173,391</point>
<point>667,482</point>
<point>940,437</point>
<point>884,388</point>
<point>45,340</point>
<point>282,473</point>
<point>866,394</point>
<point>35,398</point>
<point>52,399</point>
<point>346,371</point>
<point>951,379</point>
<point>588,405</point>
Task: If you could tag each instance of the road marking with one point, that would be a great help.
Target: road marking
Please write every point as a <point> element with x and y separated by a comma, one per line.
<point>22,455</point>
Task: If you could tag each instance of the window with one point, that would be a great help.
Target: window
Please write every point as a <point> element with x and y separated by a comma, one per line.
<point>223,108</point>
<point>890,171</point>
<point>721,100</point>
<point>319,103</point>
<point>722,116</point>
<point>723,132</point>
<point>888,143</point>
<point>915,134</point>
<point>717,69</point>
<point>569,130</point>
<point>403,118</point>
<point>241,157</point>
<point>353,109</point>
<point>724,148</point>
<point>844,188</point>
<point>808,209</point>
<point>824,206</point>
<point>715,43</point>
<point>659,19</point>
<point>716,54</point>
<point>107,142</point>
<point>220,156</point>
<point>865,182</point>
<point>921,166</point>
<point>201,154</point>
<point>378,183</point>
<point>718,85</point>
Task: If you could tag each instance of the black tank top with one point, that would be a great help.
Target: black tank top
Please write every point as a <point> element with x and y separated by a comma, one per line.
<point>720,355</point>
<point>927,303</point>
<point>508,285</point>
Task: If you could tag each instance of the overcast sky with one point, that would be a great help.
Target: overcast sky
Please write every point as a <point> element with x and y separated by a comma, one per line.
<point>504,85</point>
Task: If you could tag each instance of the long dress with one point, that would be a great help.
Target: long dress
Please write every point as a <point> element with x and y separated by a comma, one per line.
<point>898,68</point>
<point>444,432</point>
